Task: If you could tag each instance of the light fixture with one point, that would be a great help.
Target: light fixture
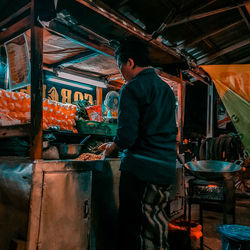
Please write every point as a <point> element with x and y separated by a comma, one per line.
<point>69,83</point>
<point>81,79</point>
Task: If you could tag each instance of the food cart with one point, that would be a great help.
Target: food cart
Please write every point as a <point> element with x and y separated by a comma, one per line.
<point>47,203</point>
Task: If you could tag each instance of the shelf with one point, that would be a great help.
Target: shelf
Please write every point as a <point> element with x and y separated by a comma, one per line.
<point>20,130</point>
<point>68,133</point>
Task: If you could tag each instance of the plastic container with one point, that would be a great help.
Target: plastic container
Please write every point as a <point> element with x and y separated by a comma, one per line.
<point>179,237</point>
<point>93,127</point>
<point>235,237</point>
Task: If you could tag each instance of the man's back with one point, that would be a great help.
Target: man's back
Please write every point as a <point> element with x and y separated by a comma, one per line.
<point>147,124</point>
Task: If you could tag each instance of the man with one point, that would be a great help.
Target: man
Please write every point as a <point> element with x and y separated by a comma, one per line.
<point>147,135</point>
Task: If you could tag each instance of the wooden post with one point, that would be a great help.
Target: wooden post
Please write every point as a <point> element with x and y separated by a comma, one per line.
<point>36,84</point>
<point>180,114</point>
<point>98,96</point>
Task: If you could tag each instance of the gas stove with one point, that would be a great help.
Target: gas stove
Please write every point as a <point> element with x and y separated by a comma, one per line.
<point>204,190</point>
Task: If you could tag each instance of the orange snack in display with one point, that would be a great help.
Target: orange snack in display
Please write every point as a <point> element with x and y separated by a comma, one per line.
<point>17,106</point>
<point>89,157</point>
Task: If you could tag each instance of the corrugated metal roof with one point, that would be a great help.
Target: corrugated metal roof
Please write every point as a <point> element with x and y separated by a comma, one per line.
<point>208,32</point>
<point>192,20</point>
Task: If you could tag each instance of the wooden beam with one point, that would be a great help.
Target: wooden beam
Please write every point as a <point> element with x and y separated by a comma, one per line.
<point>243,60</point>
<point>224,51</point>
<point>189,43</point>
<point>132,28</point>
<point>204,5</point>
<point>205,14</point>
<point>198,77</point>
<point>114,77</point>
<point>15,29</point>
<point>170,77</point>
<point>244,15</point>
<point>21,130</point>
<point>114,85</point>
<point>36,85</point>
<point>98,96</point>
<point>15,15</point>
<point>74,59</point>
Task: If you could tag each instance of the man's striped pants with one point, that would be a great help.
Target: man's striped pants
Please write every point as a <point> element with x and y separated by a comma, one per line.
<point>143,222</point>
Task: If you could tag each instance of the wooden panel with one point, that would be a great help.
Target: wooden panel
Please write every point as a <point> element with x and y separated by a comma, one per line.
<point>21,130</point>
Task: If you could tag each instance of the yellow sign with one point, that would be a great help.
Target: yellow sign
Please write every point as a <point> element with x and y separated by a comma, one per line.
<point>62,95</point>
<point>53,95</point>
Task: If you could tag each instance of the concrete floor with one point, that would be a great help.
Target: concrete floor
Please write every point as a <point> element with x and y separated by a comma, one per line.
<point>213,219</point>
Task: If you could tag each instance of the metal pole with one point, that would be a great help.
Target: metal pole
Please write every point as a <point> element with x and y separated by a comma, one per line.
<point>210,111</point>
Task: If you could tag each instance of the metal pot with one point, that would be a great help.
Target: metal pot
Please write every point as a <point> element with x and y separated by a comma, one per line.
<point>212,170</point>
<point>69,151</point>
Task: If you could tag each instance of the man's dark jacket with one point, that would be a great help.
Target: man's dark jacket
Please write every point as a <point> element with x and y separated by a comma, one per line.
<point>147,128</point>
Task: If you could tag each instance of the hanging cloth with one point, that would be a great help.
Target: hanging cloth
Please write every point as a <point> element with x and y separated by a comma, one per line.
<point>233,85</point>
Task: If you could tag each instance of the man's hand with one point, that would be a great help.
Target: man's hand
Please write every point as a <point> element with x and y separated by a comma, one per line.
<point>103,146</point>
<point>110,148</point>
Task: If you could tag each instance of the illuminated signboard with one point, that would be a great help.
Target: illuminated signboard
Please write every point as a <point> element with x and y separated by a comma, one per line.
<point>66,93</point>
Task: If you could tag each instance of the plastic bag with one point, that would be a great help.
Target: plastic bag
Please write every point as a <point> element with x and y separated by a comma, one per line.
<point>6,120</point>
<point>95,113</point>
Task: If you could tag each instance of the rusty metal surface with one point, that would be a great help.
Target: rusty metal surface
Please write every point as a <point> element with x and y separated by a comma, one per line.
<point>101,64</point>
<point>60,205</point>
<point>15,182</point>
<point>65,209</point>
<point>49,199</point>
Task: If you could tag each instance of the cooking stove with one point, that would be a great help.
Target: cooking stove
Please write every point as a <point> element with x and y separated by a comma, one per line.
<point>207,191</point>
<point>216,196</point>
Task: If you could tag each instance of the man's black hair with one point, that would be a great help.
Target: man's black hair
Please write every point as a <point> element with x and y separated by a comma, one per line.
<point>132,47</point>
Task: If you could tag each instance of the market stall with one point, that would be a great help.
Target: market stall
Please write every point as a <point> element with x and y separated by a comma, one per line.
<point>58,105</point>
<point>25,114</point>
<point>49,182</point>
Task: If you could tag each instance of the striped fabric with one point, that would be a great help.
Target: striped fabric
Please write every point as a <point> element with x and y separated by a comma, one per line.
<point>143,221</point>
<point>154,219</point>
